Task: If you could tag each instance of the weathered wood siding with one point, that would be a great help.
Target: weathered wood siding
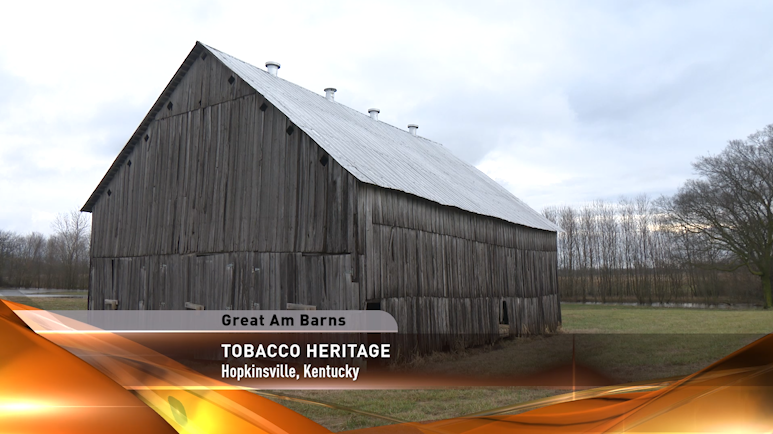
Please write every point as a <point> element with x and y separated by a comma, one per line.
<point>222,201</point>
<point>445,272</point>
<point>237,280</point>
<point>222,178</point>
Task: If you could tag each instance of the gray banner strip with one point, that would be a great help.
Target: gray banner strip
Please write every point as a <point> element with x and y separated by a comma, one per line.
<point>266,321</point>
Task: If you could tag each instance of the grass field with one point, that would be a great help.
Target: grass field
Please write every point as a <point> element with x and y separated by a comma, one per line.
<point>78,292</point>
<point>51,303</point>
<point>578,318</point>
<point>625,343</point>
<point>402,405</point>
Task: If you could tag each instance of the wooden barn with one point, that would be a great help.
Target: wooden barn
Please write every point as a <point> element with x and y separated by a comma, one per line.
<point>241,190</point>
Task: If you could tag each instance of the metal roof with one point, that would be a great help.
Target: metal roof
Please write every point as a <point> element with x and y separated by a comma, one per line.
<point>380,154</point>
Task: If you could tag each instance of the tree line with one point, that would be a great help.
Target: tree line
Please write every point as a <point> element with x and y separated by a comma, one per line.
<point>628,251</point>
<point>59,260</point>
<point>711,242</point>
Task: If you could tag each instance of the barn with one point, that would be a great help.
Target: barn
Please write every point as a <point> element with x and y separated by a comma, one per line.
<point>241,190</point>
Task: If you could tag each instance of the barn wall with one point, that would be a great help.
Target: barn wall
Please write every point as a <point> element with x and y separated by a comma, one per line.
<point>237,280</point>
<point>217,201</point>
<point>444,271</point>
<point>224,177</point>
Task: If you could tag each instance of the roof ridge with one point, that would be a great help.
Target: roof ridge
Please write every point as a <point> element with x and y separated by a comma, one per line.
<point>319,95</point>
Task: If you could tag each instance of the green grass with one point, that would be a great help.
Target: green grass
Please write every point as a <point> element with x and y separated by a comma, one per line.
<point>579,318</point>
<point>51,303</point>
<point>625,344</point>
<point>78,292</point>
<point>631,343</point>
<point>403,405</point>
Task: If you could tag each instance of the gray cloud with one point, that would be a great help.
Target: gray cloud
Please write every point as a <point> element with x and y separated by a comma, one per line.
<point>562,102</point>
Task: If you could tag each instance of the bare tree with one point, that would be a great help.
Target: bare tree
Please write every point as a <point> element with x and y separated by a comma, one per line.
<point>28,258</point>
<point>628,245</point>
<point>643,217</point>
<point>569,246</point>
<point>588,249</point>
<point>7,239</point>
<point>607,228</point>
<point>71,244</point>
<point>730,207</point>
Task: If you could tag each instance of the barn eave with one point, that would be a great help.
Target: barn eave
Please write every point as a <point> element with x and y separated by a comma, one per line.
<point>143,127</point>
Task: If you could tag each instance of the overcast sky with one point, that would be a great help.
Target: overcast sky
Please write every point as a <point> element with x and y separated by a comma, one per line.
<point>561,102</point>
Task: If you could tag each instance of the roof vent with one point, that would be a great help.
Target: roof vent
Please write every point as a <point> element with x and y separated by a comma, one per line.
<point>412,128</point>
<point>273,67</point>
<point>330,93</point>
<point>373,112</point>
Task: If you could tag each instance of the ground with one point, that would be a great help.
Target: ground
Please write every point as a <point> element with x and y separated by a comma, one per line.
<point>624,343</point>
<point>52,303</point>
